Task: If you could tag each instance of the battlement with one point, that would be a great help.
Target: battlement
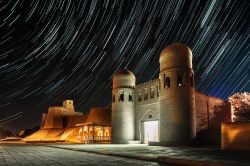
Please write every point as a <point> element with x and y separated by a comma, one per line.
<point>214,97</point>
<point>148,83</point>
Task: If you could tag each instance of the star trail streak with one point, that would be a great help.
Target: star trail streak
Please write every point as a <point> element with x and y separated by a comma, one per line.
<point>64,49</point>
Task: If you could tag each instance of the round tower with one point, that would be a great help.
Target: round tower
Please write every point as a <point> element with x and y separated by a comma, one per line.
<point>177,96</point>
<point>123,113</point>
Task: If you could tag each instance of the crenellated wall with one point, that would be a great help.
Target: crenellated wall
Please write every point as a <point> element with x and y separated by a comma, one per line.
<point>147,93</point>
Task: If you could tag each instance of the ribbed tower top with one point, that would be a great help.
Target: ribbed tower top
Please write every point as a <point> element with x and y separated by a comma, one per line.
<point>123,79</point>
<point>175,55</point>
<point>125,72</point>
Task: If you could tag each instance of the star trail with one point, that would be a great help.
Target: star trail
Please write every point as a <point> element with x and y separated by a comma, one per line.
<point>55,50</point>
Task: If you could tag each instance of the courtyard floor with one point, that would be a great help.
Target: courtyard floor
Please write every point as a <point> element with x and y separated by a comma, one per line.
<point>36,155</point>
<point>177,155</point>
<point>79,154</point>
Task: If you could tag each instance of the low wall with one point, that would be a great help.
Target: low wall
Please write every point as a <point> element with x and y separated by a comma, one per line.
<point>235,135</point>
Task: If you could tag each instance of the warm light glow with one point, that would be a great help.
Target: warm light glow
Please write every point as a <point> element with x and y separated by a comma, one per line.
<point>85,128</point>
<point>80,130</point>
<point>232,134</point>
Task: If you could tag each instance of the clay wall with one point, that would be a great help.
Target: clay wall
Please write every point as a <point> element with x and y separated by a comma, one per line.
<point>210,112</point>
<point>235,135</point>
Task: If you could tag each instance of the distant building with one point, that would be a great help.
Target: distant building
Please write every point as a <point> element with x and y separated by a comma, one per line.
<point>62,124</point>
<point>164,111</point>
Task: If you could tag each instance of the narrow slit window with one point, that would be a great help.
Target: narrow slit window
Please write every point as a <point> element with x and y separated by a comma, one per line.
<point>179,80</point>
<point>167,82</point>
<point>121,98</point>
<point>152,92</point>
<point>192,80</point>
<point>145,94</point>
<point>158,90</point>
<point>130,97</point>
<point>139,96</point>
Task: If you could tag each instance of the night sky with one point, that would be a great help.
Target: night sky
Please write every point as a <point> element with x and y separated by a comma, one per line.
<point>65,49</point>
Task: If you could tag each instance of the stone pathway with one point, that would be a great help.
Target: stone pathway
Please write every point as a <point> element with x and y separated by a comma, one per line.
<point>36,155</point>
<point>154,153</point>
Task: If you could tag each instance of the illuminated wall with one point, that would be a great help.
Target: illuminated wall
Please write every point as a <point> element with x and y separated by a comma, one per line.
<point>147,109</point>
<point>147,106</point>
<point>123,110</point>
<point>235,135</point>
<point>60,124</point>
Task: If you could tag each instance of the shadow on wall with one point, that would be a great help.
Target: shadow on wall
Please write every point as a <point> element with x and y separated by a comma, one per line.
<point>221,113</point>
<point>211,135</point>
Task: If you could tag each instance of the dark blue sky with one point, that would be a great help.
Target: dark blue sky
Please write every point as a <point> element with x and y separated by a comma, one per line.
<point>56,50</point>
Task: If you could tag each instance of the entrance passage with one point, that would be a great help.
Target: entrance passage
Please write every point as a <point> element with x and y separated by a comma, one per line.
<point>151,131</point>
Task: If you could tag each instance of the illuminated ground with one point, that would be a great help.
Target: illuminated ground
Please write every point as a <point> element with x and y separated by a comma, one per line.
<point>40,155</point>
<point>182,154</point>
<point>76,154</point>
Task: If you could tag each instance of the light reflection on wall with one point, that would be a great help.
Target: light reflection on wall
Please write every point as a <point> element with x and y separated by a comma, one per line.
<point>235,135</point>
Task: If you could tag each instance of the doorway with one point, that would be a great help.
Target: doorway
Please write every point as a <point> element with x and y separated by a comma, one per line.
<point>151,131</point>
